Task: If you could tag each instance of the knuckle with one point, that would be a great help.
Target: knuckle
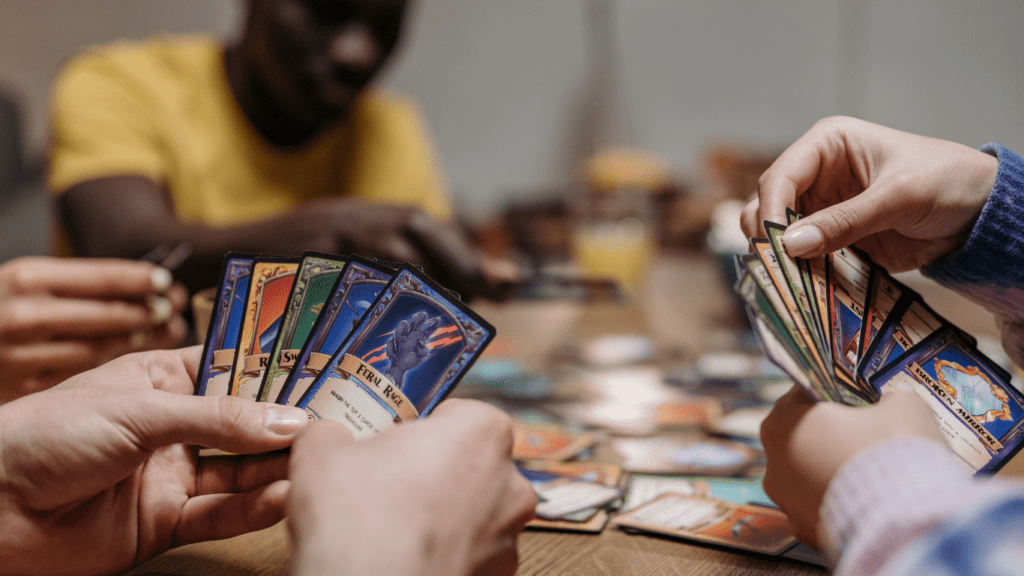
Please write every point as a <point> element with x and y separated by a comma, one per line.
<point>232,412</point>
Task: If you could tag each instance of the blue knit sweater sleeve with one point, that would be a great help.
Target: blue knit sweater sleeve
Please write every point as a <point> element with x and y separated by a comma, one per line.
<point>989,268</point>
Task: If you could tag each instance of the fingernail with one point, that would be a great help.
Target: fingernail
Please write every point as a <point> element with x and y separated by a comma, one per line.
<point>803,240</point>
<point>160,309</point>
<point>161,279</point>
<point>284,420</point>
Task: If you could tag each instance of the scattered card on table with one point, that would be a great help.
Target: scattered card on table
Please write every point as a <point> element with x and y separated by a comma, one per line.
<point>744,526</point>
<point>541,441</point>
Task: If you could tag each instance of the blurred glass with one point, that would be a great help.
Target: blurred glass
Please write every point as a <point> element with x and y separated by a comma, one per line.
<point>614,226</point>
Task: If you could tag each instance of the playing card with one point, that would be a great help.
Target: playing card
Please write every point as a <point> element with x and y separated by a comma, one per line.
<point>540,441</point>
<point>773,266</point>
<point>794,280</point>
<point>684,455</point>
<point>314,283</point>
<point>214,377</point>
<point>776,335</point>
<point>848,283</point>
<point>885,294</point>
<point>779,318</point>
<point>644,488</point>
<point>587,520</point>
<point>269,288</point>
<point>712,521</point>
<point>979,412</point>
<point>905,327</point>
<point>410,349</point>
<point>360,283</point>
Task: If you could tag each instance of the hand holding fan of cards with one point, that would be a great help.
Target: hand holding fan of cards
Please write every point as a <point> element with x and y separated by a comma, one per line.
<point>846,331</point>
<point>346,339</point>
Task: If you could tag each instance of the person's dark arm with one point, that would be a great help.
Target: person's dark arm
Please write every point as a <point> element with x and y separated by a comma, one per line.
<point>127,216</point>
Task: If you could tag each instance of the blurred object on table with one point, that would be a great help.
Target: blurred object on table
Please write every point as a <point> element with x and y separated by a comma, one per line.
<point>614,227</point>
<point>684,455</point>
<point>540,441</point>
<point>734,168</point>
<point>591,520</point>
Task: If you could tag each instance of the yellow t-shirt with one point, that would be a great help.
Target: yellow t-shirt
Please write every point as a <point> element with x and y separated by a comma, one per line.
<point>163,109</point>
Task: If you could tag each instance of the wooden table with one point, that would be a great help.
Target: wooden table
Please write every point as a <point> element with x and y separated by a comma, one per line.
<point>687,310</point>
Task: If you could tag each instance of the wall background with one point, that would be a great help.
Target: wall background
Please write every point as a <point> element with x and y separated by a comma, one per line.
<point>506,84</point>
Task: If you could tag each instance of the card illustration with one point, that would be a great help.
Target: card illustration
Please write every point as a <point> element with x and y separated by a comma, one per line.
<point>415,343</point>
<point>315,280</point>
<point>214,377</point>
<point>979,412</point>
<point>358,286</point>
<point>265,303</point>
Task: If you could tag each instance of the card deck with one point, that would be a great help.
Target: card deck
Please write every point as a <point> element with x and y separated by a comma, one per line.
<point>269,288</point>
<point>214,377</point>
<point>414,344</point>
<point>880,335</point>
<point>314,282</point>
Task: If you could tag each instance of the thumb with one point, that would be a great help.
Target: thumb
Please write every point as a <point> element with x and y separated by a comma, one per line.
<point>841,225</point>
<point>228,423</point>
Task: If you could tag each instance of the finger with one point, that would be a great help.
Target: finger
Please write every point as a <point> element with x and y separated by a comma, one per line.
<point>65,356</point>
<point>219,516</point>
<point>454,260</point>
<point>843,224</point>
<point>222,475</point>
<point>228,423</point>
<point>789,409</point>
<point>751,221</point>
<point>317,440</point>
<point>84,277</point>
<point>38,318</point>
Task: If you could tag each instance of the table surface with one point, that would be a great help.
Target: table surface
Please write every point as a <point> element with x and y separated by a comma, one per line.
<point>687,310</point>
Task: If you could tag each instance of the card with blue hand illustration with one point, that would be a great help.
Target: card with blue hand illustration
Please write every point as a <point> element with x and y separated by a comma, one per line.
<point>415,343</point>
<point>360,283</point>
<point>978,411</point>
<point>214,378</point>
<point>315,281</point>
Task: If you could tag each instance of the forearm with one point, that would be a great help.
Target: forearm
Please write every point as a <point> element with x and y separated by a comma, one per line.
<point>891,499</point>
<point>989,268</point>
<point>126,217</point>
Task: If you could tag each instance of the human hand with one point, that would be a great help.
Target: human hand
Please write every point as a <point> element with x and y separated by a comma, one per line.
<point>61,316</point>
<point>390,232</point>
<point>438,496</point>
<point>96,475</point>
<point>904,199</point>
<point>807,443</point>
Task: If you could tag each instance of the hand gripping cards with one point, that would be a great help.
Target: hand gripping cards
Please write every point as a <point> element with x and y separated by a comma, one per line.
<point>414,344</point>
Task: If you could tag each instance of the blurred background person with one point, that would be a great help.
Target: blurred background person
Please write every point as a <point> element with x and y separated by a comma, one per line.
<point>273,144</point>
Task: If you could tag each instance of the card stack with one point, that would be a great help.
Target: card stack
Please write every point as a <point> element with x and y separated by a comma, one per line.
<point>345,338</point>
<point>846,331</point>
